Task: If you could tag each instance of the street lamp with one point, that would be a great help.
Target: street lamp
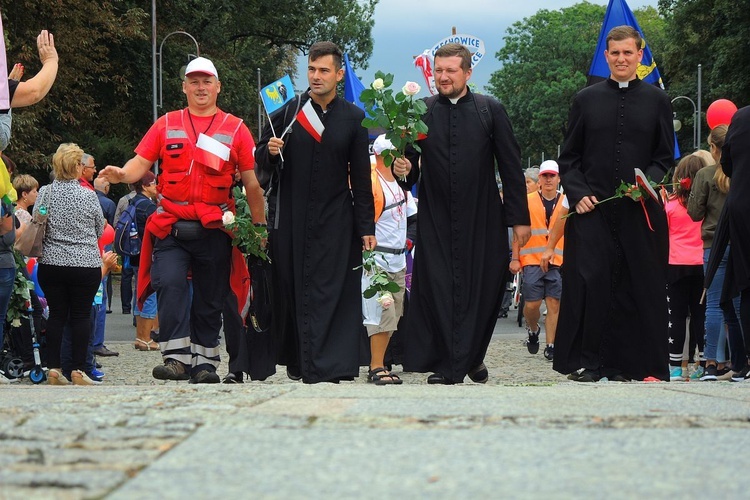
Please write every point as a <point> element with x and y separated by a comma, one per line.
<point>197,54</point>
<point>696,119</point>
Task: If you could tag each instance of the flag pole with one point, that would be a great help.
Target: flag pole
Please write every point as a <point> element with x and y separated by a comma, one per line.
<point>260,116</point>
<point>270,122</point>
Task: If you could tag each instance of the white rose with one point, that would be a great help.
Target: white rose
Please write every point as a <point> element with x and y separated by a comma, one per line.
<point>411,88</point>
<point>378,84</point>
<point>227,218</point>
<point>15,323</point>
<point>386,300</point>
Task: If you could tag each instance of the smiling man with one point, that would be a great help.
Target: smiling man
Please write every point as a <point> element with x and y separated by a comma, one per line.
<point>324,217</point>
<point>613,317</point>
<point>200,148</point>
<point>461,250</point>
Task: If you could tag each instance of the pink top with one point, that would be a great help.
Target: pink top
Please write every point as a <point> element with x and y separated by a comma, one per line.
<point>685,244</point>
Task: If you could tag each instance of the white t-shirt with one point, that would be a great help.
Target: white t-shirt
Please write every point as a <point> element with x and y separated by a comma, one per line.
<point>390,230</point>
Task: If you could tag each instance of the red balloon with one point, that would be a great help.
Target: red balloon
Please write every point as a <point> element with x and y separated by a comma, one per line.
<point>30,264</point>
<point>720,112</point>
<point>107,237</point>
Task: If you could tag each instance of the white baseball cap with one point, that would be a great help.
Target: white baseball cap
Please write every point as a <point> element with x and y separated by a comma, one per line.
<point>381,144</point>
<point>201,65</point>
<point>549,167</point>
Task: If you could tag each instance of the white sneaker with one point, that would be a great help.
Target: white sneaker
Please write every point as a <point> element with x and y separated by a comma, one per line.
<point>5,380</point>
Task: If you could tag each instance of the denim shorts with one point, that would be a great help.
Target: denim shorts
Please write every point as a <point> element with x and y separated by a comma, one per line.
<point>149,308</point>
<point>538,285</point>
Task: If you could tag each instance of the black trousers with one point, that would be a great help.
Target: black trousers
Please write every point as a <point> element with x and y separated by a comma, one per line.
<point>684,298</point>
<point>126,289</point>
<point>189,329</point>
<point>69,292</point>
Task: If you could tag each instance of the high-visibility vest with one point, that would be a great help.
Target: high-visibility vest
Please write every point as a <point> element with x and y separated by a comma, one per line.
<point>531,253</point>
<point>183,180</point>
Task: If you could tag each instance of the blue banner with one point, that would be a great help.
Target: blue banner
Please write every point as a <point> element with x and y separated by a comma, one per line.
<point>353,87</point>
<point>275,95</point>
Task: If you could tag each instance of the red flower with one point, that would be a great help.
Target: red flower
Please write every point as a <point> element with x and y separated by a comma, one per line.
<point>685,183</point>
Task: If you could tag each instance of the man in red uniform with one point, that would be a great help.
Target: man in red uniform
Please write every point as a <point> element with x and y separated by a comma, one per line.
<point>200,148</point>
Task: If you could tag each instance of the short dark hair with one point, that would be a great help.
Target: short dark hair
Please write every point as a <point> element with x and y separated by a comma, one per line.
<point>320,49</point>
<point>456,49</point>
<point>620,33</point>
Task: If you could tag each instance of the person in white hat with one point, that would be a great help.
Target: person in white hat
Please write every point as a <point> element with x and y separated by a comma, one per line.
<point>394,209</point>
<point>200,149</point>
<point>540,284</point>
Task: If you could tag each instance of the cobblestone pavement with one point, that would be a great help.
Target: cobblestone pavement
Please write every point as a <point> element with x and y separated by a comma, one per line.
<point>137,437</point>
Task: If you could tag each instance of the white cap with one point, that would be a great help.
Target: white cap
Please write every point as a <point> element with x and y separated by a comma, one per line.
<point>381,144</point>
<point>201,65</point>
<point>549,167</point>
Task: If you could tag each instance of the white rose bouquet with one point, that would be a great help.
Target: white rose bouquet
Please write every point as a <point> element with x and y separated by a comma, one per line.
<point>400,114</point>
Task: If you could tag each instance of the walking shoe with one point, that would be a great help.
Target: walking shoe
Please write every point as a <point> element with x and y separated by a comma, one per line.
<point>549,352</point>
<point>205,377</point>
<point>709,375</point>
<point>532,342</point>
<point>234,378</point>
<point>742,375</point>
<point>697,373</point>
<point>675,374</point>
<point>171,370</point>
<point>97,376</point>
<point>293,373</point>
<point>480,375</point>
<point>103,351</point>
<point>585,375</point>
<point>724,373</point>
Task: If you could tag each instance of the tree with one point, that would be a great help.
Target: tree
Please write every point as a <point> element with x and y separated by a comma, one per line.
<point>545,62</point>
<point>712,33</point>
<point>102,98</point>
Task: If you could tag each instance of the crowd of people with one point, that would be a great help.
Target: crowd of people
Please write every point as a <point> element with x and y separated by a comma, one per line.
<point>619,279</point>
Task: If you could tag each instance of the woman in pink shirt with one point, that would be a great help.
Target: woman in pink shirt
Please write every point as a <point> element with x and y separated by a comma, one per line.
<point>685,273</point>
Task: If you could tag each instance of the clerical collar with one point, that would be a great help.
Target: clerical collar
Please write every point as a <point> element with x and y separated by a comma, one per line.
<point>454,100</point>
<point>623,85</point>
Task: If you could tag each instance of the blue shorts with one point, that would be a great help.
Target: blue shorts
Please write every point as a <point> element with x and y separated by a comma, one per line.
<point>538,285</point>
<point>149,308</point>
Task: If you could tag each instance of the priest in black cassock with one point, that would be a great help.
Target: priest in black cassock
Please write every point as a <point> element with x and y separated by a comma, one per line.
<point>321,224</point>
<point>462,238</point>
<point>614,307</point>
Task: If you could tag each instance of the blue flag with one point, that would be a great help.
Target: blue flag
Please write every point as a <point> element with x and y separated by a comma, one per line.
<point>619,14</point>
<point>275,95</point>
<point>353,87</point>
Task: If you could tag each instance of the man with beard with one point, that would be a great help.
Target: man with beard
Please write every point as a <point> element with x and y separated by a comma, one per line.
<point>462,241</point>
<point>613,310</point>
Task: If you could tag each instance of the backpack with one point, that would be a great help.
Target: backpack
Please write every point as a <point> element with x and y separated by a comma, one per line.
<point>127,240</point>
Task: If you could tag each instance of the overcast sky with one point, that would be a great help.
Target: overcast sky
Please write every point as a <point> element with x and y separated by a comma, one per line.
<point>403,29</point>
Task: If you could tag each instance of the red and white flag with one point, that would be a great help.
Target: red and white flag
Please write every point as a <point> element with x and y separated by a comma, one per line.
<point>210,152</point>
<point>310,121</point>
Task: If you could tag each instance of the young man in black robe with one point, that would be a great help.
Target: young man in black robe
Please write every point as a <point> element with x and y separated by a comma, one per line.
<point>461,247</point>
<point>324,217</point>
<point>613,311</point>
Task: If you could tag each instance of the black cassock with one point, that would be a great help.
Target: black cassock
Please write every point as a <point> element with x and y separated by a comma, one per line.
<point>462,237</point>
<point>318,245</point>
<point>613,310</point>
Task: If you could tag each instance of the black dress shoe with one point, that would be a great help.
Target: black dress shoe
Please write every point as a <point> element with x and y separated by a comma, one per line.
<point>103,351</point>
<point>437,378</point>
<point>293,373</point>
<point>480,375</point>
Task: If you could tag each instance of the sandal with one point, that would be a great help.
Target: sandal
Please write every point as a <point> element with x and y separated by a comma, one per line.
<point>146,346</point>
<point>55,377</point>
<point>379,376</point>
